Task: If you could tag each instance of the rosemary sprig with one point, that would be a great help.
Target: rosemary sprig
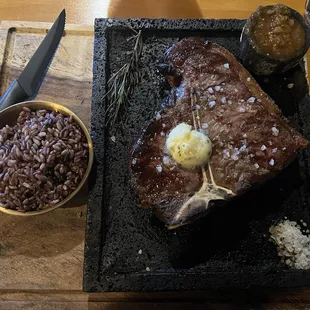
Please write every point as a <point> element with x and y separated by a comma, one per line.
<point>122,83</point>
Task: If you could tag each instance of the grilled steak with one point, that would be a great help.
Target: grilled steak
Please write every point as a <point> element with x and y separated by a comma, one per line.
<point>251,140</point>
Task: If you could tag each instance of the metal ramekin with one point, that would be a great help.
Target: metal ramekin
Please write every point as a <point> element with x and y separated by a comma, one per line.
<point>9,116</point>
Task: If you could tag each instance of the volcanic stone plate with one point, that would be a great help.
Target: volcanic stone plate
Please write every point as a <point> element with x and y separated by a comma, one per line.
<point>127,248</point>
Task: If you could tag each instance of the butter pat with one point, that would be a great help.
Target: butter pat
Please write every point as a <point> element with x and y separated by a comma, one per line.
<point>189,148</point>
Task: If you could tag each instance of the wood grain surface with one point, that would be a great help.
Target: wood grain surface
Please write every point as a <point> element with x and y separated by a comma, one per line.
<point>46,252</point>
<point>41,258</point>
<point>85,11</point>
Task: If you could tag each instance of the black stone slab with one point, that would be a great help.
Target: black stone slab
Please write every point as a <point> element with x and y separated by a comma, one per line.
<point>227,249</point>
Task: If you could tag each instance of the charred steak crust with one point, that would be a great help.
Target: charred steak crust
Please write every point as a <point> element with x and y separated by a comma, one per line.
<point>252,141</point>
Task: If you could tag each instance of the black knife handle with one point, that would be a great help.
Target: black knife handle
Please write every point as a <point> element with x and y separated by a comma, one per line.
<point>14,94</point>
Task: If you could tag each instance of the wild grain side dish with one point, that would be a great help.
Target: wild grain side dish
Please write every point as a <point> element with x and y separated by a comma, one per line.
<point>42,160</point>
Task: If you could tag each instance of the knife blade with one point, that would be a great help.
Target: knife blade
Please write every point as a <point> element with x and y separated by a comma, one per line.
<point>29,80</point>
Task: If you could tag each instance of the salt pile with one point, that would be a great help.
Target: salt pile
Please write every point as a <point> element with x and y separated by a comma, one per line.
<point>292,245</point>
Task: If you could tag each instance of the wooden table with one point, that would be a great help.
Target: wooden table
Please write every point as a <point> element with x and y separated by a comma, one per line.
<point>41,258</point>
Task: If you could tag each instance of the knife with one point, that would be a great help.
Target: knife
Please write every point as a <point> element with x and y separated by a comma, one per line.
<point>29,80</point>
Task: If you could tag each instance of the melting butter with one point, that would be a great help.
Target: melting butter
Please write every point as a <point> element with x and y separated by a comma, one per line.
<point>188,147</point>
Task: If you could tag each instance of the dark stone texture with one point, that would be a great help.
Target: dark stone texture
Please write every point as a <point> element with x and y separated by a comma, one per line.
<point>229,248</point>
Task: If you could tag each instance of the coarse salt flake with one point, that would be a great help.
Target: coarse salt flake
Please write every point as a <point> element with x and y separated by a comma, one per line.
<point>204,125</point>
<point>229,102</point>
<point>210,90</point>
<point>243,148</point>
<point>167,161</point>
<point>140,251</point>
<point>159,168</point>
<point>147,269</point>
<point>134,161</point>
<point>248,79</point>
<point>234,157</point>
<point>256,165</point>
<point>223,100</point>
<point>263,147</point>
<point>241,109</point>
<point>226,154</point>
<point>226,65</point>
<point>275,131</point>
<point>158,116</point>
<point>274,150</point>
<point>271,162</point>
<point>212,104</point>
<point>217,88</point>
<point>291,85</point>
<point>251,100</point>
<point>113,139</point>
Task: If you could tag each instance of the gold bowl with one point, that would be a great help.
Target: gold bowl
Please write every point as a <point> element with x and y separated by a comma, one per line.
<point>9,116</point>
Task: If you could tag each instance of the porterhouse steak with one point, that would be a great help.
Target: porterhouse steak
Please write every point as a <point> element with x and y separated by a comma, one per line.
<point>251,140</point>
